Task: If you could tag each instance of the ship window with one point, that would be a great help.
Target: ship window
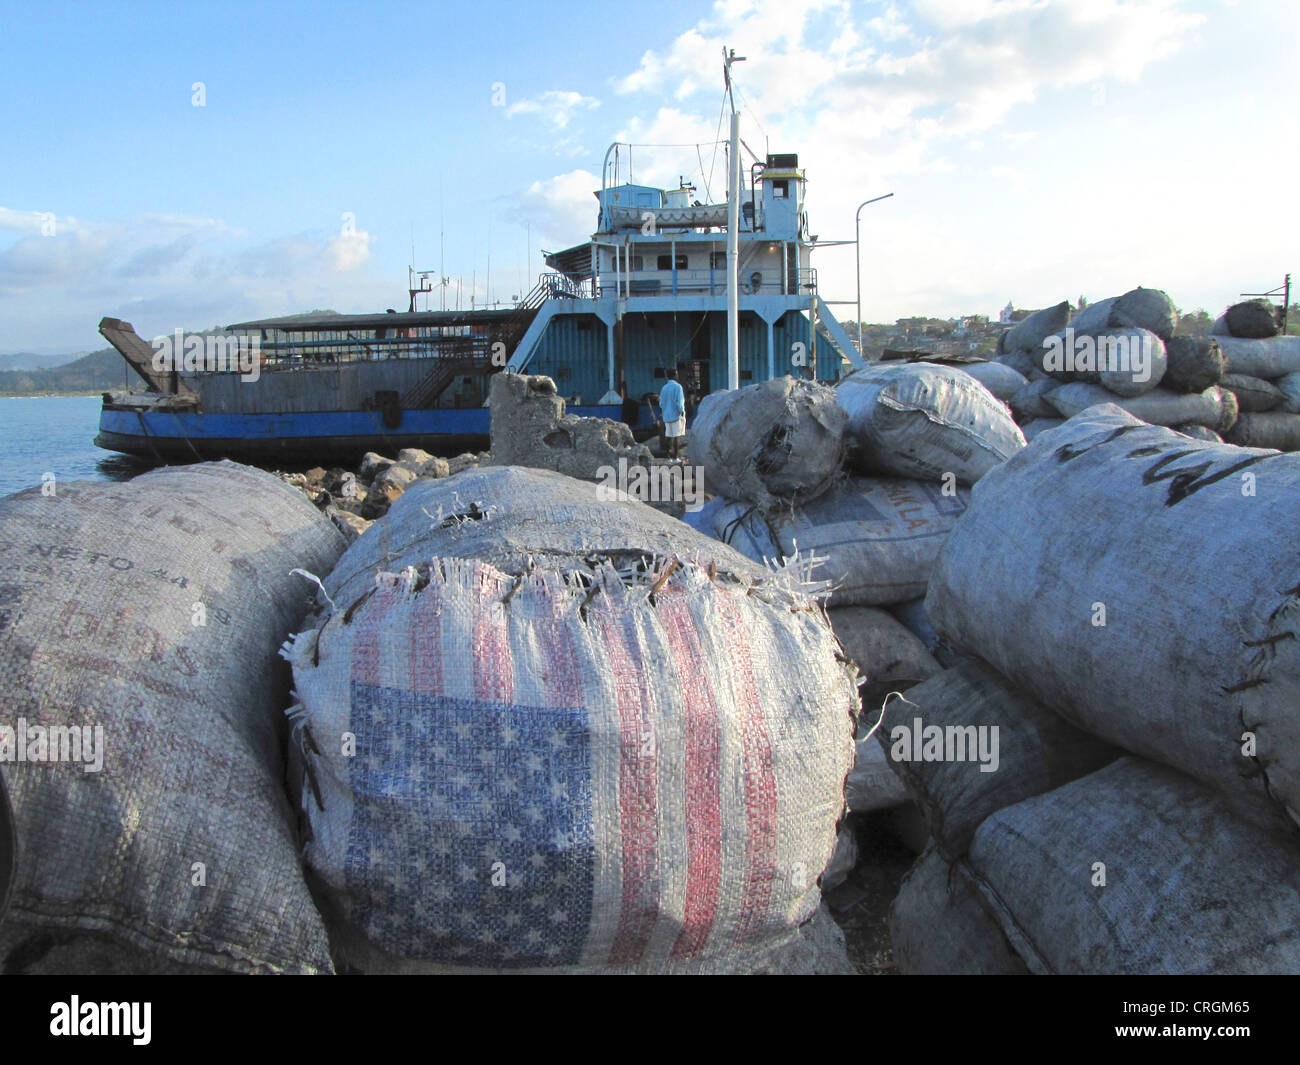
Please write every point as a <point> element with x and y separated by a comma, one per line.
<point>659,371</point>
<point>717,260</point>
<point>666,262</point>
<point>781,189</point>
<point>562,373</point>
<point>746,375</point>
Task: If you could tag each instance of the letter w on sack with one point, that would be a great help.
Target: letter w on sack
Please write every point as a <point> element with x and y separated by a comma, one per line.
<point>1191,479</point>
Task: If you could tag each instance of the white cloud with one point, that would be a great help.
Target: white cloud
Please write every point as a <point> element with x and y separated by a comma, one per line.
<point>555,107</point>
<point>938,100</point>
<point>953,13</point>
<point>679,71</point>
<point>893,96</point>
<point>349,250</point>
<point>164,272</point>
<point>35,223</point>
<point>955,68</point>
<point>561,211</point>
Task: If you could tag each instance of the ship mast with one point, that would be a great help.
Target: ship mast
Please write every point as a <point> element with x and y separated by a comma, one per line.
<point>733,228</point>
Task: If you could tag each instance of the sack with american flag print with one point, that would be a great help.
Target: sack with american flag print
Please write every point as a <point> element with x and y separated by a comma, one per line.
<point>592,769</point>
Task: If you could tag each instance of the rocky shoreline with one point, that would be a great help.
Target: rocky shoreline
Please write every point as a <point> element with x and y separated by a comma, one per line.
<point>352,500</point>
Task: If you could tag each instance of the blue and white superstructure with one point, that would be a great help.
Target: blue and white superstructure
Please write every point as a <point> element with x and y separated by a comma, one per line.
<point>647,291</point>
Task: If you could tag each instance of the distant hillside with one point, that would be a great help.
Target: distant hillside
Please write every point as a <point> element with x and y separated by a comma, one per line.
<point>29,360</point>
<point>100,371</point>
<point>27,374</point>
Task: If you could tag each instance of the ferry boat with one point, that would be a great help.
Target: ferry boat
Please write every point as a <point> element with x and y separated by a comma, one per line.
<point>646,292</point>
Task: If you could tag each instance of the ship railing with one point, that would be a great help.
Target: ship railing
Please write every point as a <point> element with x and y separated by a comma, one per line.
<point>480,357</point>
<point>713,282</point>
<point>560,286</point>
<point>421,342</point>
<point>291,355</point>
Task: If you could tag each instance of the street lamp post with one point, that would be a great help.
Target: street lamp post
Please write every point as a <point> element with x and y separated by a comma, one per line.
<point>857,253</point>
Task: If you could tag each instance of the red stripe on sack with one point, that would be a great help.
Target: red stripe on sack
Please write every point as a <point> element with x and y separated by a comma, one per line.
<point>493,666</point>
<point>703,793</point>
<point>638,791</point>
<point>561,680</point>
<point>365,637</point>
<point>424,652</point>
<point>760,774</point>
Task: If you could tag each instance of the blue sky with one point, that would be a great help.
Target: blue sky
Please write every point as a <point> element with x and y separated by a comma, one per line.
<point>1038,150</point>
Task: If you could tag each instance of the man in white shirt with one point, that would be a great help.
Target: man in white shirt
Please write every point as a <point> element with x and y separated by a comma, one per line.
<point>672,404</point>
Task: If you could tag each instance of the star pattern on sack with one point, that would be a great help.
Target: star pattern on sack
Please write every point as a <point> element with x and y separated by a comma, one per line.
<point>472,836</point>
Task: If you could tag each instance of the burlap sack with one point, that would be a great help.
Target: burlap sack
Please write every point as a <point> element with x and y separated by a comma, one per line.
<point>1137,869</point>
<point>773,444</point>
<point>567,767</point>
<point>1144,586</point>
<point>923,420</point>
<point>153,611</point>
<point>874,538</point>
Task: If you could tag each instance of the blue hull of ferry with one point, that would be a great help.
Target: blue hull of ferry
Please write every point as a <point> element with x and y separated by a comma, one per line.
<point>317,437</point>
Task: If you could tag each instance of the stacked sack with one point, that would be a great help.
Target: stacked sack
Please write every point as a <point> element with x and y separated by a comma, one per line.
<point>542,731</point>
<point>141,735</point>
<point>1137,809</point>
<point>1118,350</point>
<point>1264,372</point>
<point>914,437</point>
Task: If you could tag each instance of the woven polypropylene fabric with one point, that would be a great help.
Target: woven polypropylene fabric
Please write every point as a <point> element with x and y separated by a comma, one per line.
<point>583,775</point>
<point>1037,750</point>
<point>773,444</point>
<point>920,419</point>
<point>1001,380</point>
<point>1137,869</point>
<point>876,537</point>
<point>1215,407</point>
<point>516,519</point>
<point>938,925</point>
<point>886,652</point>
<point>8,848</point>
<point>1269,358</point>
<point>154,610</point>
<point>1143,585</point>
